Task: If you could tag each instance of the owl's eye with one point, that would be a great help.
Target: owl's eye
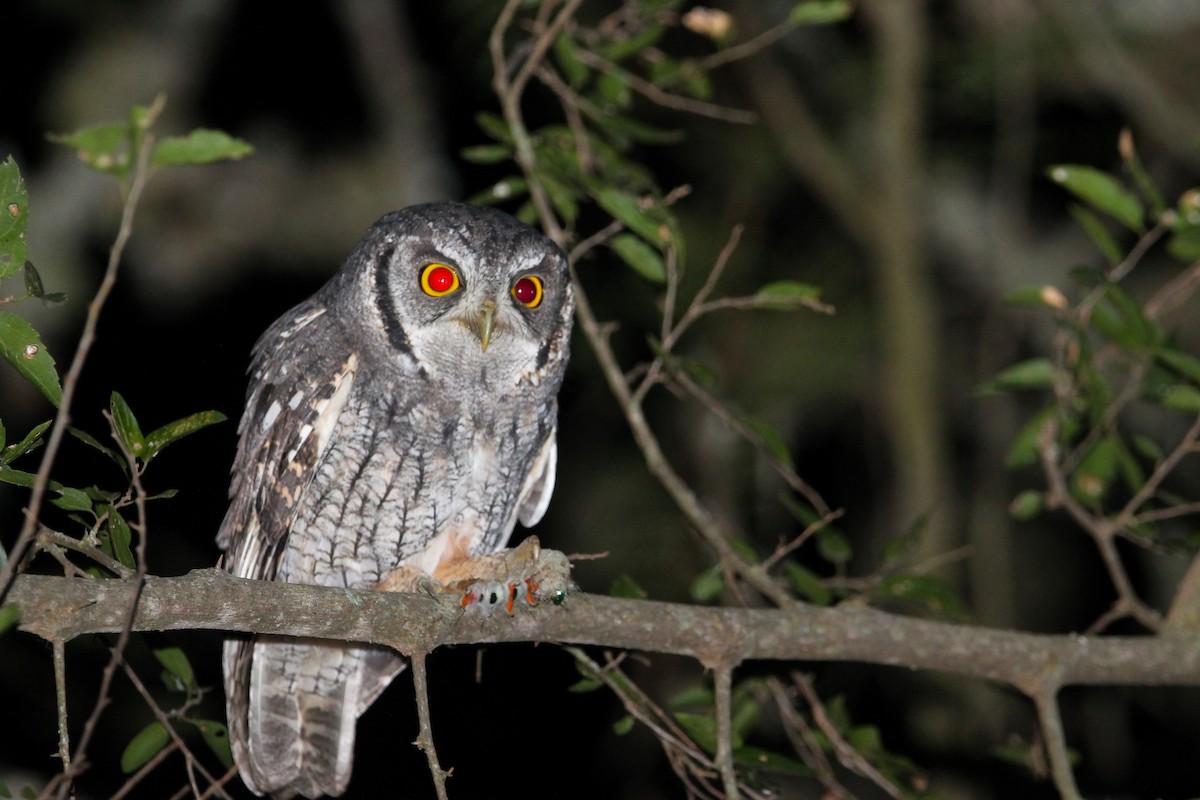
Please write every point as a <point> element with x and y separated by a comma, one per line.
<point>439,280</point>
<point>528,291</point>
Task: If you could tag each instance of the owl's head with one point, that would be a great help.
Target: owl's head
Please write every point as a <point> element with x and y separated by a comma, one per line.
<point>456,287</point>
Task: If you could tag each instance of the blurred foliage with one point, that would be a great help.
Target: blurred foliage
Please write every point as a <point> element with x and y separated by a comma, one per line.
<point>105,542</point>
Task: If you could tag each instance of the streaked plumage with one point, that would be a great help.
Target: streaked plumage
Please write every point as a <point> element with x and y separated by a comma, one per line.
<point>386,429</point>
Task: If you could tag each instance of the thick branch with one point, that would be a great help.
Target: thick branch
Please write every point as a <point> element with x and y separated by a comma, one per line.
<point>63,608</point>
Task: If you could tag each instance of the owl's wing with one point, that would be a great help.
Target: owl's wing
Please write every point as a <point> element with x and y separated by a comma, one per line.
<point>539,485</point>
<point>284,739</point>
<point>290,414</point>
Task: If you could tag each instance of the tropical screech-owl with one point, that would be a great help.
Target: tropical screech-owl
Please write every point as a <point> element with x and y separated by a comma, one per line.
<point>398,424</point>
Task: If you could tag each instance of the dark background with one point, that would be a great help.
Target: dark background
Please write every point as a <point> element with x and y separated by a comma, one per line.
<point>358,108</point>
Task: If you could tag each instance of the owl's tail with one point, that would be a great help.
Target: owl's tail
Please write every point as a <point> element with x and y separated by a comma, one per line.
<point>293,705</point>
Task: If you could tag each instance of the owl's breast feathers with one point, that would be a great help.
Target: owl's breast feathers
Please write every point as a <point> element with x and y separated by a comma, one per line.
<point>347,470</point>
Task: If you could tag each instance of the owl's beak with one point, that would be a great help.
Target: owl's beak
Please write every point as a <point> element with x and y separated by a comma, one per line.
<point>487,315</point>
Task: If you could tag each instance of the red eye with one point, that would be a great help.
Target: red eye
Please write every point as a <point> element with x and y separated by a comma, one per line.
<point>528,291</point>
<point>439,280</point>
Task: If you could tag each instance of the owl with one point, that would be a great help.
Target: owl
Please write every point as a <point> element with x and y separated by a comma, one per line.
<point>398,424</point>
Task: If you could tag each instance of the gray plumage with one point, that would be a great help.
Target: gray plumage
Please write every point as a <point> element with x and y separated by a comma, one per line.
<point>386,429</point>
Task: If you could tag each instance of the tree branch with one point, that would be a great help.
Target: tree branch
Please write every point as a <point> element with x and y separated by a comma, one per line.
<point>63,608</point>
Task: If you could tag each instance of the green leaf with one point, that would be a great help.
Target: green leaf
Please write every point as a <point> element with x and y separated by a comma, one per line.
<point>926,590</point>
<point>1184,243</point>
<point>1036,373</point>
<point>561,197</point>
<point>623,128</point>
<point>1099,234</point>
<point>1119,317</point>
<point>120,538</point>
<point>105,147</point>
<point>708,585</point>
<point>820,12</point>
<point>1147,448</point>
<point>177,666</point>
<point>623,48</point>
<point>14,218</point>
<point>701,727</point>
<point>494,126</point>
<point>808,584</point>
<point>93,442</point>
<point>9,614</point>
<point>500,191</point>
<point>866,739</point>
<point>126,425</point>
<point>201,146</point>
<point>1026,505</point>
<point>585,685</point>
<point>21,347</point>
<point>1137,170</point>
<point>144,746</point>
<point>1036,296</point>
<point>573,68</point>
<point>744,713</point>
<point>33,281</point>
<point>486,153</point>
<point>172,432</point>
<point>1182,363</point>
<point>1096,470</point>
<point>1101,191</point>
<point>625,586</point>
<point>643,258</point>
<point>769,438</point>
<point>786,295</point>
<point>623,726</point>
<point>695,697</point>
<point>1182,398</point>
<point>32,441</point>
<point>755,758</point>
<point>644,220</point>
<point>16,477</point>
<point>72,499</point>
<point>216,736</point>
<point>833,546</point>
<point>614,89</point>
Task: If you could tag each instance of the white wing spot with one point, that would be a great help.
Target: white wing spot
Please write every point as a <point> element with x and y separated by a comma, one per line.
<point>295,401</point>
<point>301,322</point>
<point>328,409</point>
<point>272,413</point>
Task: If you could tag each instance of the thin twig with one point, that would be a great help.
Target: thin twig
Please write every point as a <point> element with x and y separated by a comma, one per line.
<point>849,758</point>
<point>783,468</point>
<point>1102,531</point>
<point>1186,446</point>
<point>165,720</point>
<point>425,734</point>
<point>755,44</point>
<point>723,704</point>
<point>804,740</point>
<point>47,537</point>
<point>60,699</point>
<point>131,783</point>
<point>1045,699</point>
<point>797,541</point>
<point>665,99</point>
